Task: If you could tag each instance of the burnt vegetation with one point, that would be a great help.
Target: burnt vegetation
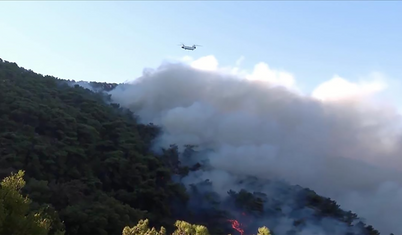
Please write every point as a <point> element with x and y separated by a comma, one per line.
<point>89,163</point>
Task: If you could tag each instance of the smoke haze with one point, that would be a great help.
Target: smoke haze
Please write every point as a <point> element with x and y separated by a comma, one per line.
<point>343,146</point>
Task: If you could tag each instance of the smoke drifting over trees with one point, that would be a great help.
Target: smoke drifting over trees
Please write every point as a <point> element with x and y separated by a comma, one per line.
<point>236,146</point>
<point>347,149</point>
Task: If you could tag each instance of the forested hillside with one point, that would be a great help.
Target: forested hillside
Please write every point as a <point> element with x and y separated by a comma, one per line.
<point>90,161</point>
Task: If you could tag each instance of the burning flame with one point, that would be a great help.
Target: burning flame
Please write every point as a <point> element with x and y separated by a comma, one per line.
<point>236,225</point>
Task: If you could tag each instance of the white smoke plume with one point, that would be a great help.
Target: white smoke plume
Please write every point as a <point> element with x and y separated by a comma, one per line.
<point>336,141</point>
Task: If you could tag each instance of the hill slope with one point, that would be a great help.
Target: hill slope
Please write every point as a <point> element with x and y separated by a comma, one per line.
<point>90,160</point>
<point>86,158</point>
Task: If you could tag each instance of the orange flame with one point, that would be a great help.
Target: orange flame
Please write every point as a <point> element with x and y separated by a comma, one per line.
<point>236,225</point>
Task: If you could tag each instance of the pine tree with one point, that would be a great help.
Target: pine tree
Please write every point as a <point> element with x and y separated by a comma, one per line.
<point>15,215</point>
<point>263,231</point>
<point>142,229</point>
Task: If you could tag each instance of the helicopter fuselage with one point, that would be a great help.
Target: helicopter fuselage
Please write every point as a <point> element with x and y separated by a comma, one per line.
<point>189,48</point>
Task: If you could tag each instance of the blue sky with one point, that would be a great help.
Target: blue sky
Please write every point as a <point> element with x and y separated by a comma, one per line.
<point>114,41</point>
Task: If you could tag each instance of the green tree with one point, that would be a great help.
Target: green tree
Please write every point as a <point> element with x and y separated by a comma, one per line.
<point>142,229</point>
<point>263,231</point>
<point>15,215</point>
<point>182,228</point>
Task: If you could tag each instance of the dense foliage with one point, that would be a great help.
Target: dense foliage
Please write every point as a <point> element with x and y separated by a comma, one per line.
<point>88,160</point>
<point>182,228</point>
<point>15,215</point>
<point>88,163</point>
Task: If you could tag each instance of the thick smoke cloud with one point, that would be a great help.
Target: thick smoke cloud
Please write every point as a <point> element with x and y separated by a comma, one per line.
<point>347,149</point>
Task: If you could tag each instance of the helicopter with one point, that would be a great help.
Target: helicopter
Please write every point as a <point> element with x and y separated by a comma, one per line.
<point>191,48</point>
